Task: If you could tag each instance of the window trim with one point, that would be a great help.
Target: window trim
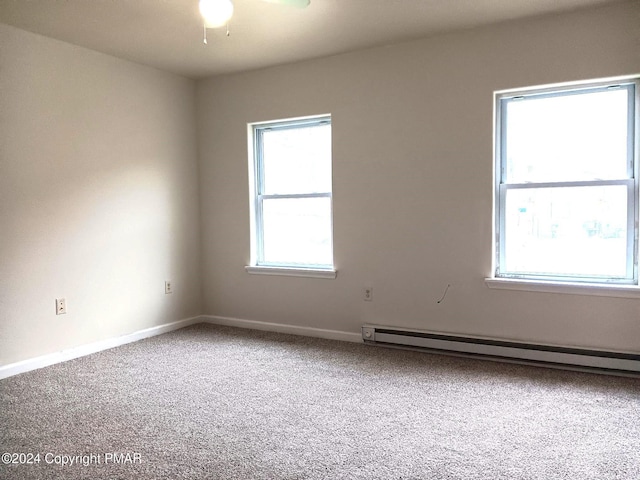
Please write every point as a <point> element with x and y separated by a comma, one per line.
<point>292,272</point>
<point>571,288</point>
<point>256,181</point>
<point>567,283</point>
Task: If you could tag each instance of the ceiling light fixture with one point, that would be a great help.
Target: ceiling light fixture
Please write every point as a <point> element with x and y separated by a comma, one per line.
<point>216,13</point>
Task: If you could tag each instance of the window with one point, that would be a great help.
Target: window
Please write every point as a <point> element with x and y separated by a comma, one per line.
<point>566,184</point>
<point>290,179</point>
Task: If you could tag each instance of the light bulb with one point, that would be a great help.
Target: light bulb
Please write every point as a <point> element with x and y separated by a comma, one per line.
<point>216,13</point>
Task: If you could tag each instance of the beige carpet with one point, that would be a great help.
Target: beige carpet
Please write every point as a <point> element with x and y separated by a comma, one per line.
<point>221,403</point>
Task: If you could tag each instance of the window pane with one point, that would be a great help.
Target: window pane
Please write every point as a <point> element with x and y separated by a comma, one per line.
<point>297,231</point>
<point>570,231</point>
<point>567,138</point>
<point>297,160</point>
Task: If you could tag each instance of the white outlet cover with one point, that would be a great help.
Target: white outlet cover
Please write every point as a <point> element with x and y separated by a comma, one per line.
<point>367,294</point>
<point>61,306</point>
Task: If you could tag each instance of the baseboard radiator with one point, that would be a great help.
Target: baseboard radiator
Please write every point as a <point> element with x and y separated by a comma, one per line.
<point>543,355</point>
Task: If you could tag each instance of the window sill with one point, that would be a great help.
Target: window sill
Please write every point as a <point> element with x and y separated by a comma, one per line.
<point>590,289</point>
<point>292,272</point>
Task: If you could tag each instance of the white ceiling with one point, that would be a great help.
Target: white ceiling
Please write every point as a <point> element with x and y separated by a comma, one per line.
<point>167,34</point>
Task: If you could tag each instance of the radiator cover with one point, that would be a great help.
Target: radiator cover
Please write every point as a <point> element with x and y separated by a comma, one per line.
<point>544,355</point>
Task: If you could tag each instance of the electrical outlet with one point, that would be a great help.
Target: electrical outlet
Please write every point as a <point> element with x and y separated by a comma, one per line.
<point>168,287</point>
<point>367,294</point>
<point>61,306</point>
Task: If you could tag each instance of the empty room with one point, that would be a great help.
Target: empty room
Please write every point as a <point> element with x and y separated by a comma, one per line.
<point>319,239</point>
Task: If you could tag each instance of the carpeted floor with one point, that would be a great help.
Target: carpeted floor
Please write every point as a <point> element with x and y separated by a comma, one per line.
<point>222,403</point>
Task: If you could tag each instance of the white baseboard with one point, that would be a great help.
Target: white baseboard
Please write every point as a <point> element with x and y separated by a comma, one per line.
<point>69,354</point>
<point>283,328</point>
<point>76,352</point>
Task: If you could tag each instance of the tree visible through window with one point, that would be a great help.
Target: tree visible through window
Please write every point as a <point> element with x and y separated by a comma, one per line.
<point>566,183</point>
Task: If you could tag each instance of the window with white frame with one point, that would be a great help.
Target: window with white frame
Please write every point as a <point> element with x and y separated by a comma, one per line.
<point>291,194</point>
<point>566,200</point>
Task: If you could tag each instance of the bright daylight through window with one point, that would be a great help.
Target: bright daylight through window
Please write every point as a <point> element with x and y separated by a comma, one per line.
<point>566,184</point>
<point>291,194</point>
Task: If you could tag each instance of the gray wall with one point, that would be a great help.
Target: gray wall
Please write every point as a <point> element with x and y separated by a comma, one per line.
<point>98,196</point>
<point>412,158</point>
